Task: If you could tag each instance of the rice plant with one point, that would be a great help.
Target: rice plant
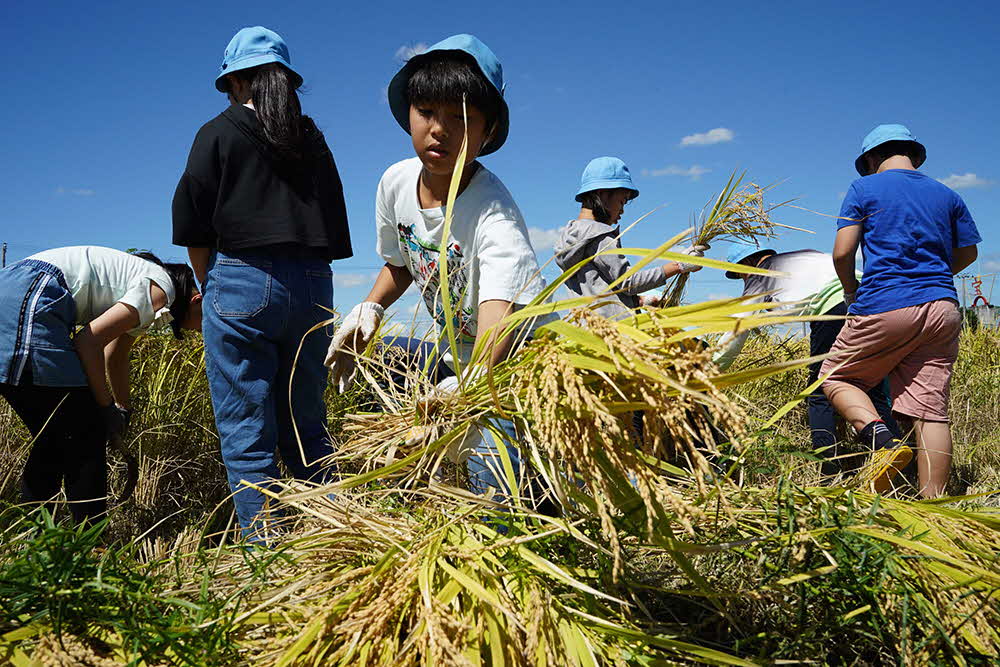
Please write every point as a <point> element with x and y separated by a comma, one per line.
<point>738,213</point>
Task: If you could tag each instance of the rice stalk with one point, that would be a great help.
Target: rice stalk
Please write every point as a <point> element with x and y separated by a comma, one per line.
<point>738,213</point>
<point>432,585</point>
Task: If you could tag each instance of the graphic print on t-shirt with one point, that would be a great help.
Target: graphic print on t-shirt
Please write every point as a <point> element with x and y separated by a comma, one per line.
<point>422,257</point>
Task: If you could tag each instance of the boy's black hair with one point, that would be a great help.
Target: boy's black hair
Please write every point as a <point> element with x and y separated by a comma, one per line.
<point>593,201</point>
<point>883,152</point>
<point>182,277</point>
<point>443,77</point>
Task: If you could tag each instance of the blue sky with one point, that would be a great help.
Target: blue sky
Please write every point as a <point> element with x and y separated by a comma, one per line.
<point>103,100</point>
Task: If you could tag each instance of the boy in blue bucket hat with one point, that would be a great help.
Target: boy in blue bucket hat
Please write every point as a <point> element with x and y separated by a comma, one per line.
<point>916,233</point>
<point>605,188</point>
<point>452,91</point>
<point>809,285</point>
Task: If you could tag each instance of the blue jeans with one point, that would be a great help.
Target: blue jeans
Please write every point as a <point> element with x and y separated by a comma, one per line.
<point>258,305</point>
<point>485,464</point>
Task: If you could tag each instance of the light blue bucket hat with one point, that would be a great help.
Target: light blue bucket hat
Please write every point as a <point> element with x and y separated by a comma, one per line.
<point>883,134</point>
<point>251,47</point>
<point>488,65</point>
<point>739,251</point>
<point>606,173</point>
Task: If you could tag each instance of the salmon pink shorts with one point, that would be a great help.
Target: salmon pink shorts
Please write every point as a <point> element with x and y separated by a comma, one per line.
<point>915,347</point>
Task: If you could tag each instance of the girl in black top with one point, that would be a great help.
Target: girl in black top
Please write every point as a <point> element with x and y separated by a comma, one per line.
<point>260,207</point>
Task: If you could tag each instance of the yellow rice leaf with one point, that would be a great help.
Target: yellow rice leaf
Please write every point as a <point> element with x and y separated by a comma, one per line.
<point>855,612</point>
<point>496,642</point>
<point>21,659</point>
<point>589,363</point>
<point>477,589</point>
<point>304,641</point>
<point>557,572</point>
<point>704,654</point>
<point>803,576</point>
<point>575,640</point>
<point>579,336</point>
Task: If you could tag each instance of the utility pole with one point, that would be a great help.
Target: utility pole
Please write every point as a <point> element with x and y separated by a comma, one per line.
<point>964,277</point>
<point>3,254</point>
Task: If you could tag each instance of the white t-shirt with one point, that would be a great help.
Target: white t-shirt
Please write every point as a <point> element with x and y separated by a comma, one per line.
<point>98,278</point>
<point>489,255</point>
<point>812,281</point>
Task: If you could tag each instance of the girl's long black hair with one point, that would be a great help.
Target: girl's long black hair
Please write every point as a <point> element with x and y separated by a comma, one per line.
<point>182,276</point>
<point>273,90</point>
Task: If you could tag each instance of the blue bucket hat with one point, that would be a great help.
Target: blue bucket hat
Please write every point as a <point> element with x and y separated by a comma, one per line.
<point>488,65</point>
<point>739,251</point>
<point>251,47</point>
<point>883,134</point>
<point>606,173</point>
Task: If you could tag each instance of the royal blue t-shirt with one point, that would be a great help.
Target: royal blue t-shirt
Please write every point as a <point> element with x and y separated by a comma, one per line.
<point>911,223</point>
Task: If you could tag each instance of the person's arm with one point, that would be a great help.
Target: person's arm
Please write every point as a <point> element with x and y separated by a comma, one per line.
<point>963,257</point>
<point>91,340</point>
<point>965,236</point>
<point>117,348</point>
<point>730,346</point>
<point>845,251</point>
<point>199,262</point>
<point>116,358</point>
<point>612,266</point>
<point>391,283</point>
<point>490,315</point>
<point>195,201</point>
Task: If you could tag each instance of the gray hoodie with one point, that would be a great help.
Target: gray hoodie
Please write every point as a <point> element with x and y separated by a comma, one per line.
<point>582,239</point>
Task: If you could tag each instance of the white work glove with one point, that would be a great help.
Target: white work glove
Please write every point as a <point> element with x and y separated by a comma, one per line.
<point>447,389</point>
<point>694,251</point>
<point>464,445</point>
<point>352,336</point>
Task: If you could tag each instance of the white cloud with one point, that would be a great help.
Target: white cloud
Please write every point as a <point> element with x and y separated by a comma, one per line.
<point>407,51</point>
<point>990,263</point>
<point>694,172</point>
<point>717,136</point>
<point>543,239</point>
<point>76,192</point>
<point>347,280</point>
<point>966,180</point>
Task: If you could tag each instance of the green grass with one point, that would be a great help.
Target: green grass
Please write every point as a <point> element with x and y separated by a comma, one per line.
<point>71,581</point>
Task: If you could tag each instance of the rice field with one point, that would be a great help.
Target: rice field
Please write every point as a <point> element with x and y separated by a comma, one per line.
<point>706,536</point>
<point>666,550</point>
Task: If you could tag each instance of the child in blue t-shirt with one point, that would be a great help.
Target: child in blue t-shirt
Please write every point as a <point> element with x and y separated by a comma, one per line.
<point>915,233</point>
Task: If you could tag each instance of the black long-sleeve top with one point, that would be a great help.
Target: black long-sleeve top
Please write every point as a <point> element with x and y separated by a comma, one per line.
<point>236,193</point>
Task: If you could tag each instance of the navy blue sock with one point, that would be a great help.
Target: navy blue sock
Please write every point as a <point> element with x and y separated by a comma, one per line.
<point>876,435</point>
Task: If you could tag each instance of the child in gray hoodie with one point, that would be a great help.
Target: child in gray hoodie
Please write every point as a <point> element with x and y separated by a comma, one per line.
<point>605,188</point>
